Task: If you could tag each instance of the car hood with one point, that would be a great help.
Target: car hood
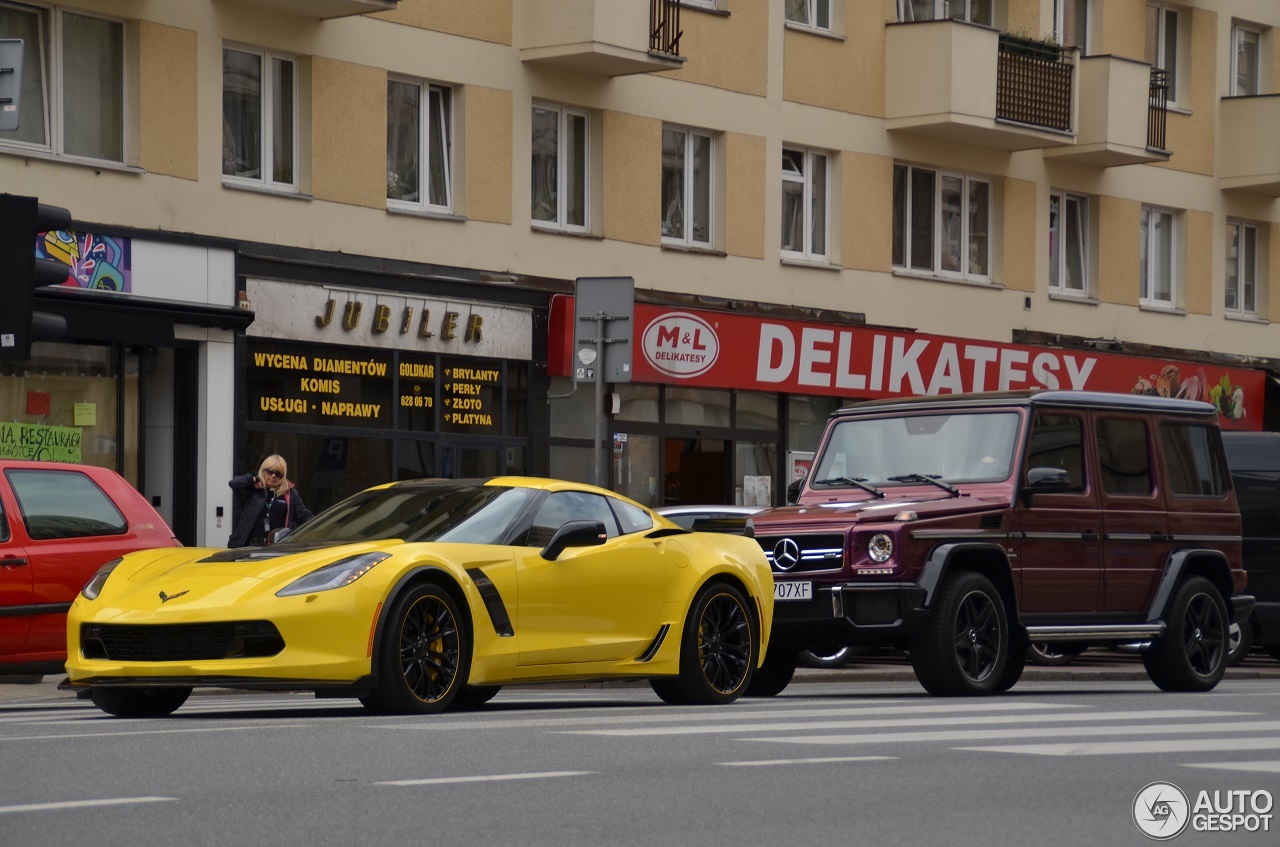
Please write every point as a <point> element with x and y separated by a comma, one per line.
<point>280,562</point>
<point>926,506</point>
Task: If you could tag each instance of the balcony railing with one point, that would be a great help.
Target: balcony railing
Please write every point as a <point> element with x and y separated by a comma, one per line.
<point>1033,83</point>
<point>664,27</point>
<point>1158,111</point>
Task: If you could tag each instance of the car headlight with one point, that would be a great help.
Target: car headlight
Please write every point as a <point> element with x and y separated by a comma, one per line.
<point>94,587</point>
<point>880,548</point>
<point>335,575</point>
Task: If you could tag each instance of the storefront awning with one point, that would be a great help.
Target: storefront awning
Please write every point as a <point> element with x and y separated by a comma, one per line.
<point>110,316</point>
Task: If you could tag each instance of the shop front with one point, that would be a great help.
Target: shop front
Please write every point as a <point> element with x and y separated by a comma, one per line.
<point>359,386</point>
<point>726,407</point>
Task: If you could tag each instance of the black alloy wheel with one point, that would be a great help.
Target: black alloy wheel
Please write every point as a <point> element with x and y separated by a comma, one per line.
<point>717,651</point>
<point>425,654</point>
<point>964,646</point>
<point>1191,655</point>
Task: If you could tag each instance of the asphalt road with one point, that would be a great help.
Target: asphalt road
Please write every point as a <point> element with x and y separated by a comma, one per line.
<point>840,758</point>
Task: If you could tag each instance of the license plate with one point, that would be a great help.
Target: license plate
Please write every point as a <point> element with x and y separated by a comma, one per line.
<point>783,591</point>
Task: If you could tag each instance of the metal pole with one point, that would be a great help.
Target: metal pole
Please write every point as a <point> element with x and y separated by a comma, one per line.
<point>601,477</point>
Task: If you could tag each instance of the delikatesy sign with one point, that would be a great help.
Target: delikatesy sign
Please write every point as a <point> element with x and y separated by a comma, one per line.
<point>724,350</point>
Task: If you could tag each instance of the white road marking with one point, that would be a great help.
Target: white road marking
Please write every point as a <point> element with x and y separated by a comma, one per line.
<point>81,804</point>
<point>1119,748</point>
<point>85,735</point>
<point>449,780</point>
<point>1037,732</point>
<point>769,762</point>
<point>1256,767</point>
<point>965,720</point>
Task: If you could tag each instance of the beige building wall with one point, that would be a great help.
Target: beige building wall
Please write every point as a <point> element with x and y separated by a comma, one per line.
<point>744,232</point>
<point>349,133</point>
<point>726,51</point>
<point>632,196</point>
<point>486,20</point>
<point>1019,236</point>
<point>1192,125</point>
<point>169,134</point>
<point>486,162</point>
<point>847,73</point>
<point>1198,279</point>
<point>1119,233</point>
<point>867,233</point>
<point>1122,30</point>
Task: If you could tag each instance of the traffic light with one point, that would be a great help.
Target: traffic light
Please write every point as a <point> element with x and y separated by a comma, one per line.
<point>22,220</point>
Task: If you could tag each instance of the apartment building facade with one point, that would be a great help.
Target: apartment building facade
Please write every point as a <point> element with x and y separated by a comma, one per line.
<point>348,230</point>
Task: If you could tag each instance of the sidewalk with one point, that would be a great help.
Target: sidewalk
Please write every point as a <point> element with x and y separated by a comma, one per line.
<point>1100,667</point>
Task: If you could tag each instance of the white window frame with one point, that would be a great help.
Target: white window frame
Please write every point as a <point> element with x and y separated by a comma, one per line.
<point>266,117</point>
<point>428,125</point>
<point>1239,32</point>
<point>1083,10</point>
<point>967,181</point>
<point>688,200</point>
<point>1058,254</point>
<point>50,53</point>
<point>813,11</point>
<point>937,10</point>
<point>1162,47</point>
<point>1148,247</point>
<point>563,151</point>
<point>701,4</point>
<point>806,181</point>
<point>1244,236</point>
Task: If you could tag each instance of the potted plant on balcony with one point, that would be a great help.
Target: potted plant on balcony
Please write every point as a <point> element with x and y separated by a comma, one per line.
<point>1022,42</point>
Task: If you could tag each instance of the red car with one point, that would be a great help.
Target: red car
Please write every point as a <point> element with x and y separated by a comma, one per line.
<point>59,523</point>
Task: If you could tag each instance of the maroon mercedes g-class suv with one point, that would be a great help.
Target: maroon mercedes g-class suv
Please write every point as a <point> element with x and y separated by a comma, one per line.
<point>965,527</point>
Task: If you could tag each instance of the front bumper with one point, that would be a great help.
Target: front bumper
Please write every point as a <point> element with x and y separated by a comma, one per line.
<point>321,687</point>
<point>852,613</point>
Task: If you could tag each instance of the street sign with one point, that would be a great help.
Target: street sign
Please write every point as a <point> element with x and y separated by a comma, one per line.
<point>604,308</point>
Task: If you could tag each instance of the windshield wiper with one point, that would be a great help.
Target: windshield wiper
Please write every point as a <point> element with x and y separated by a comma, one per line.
<point>932,479</point>
<point>860,482</point>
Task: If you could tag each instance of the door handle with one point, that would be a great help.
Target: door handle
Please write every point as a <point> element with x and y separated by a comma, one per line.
<point>13,563</point>
<point>1089,535</point>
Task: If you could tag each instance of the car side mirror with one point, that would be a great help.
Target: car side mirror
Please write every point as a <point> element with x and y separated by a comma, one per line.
<point>793,491</point>
<point>1045,480</point>
<point>277,535</point>
<point>574,534</point>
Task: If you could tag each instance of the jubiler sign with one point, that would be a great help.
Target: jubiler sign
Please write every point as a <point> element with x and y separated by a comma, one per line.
<point>722,350</point>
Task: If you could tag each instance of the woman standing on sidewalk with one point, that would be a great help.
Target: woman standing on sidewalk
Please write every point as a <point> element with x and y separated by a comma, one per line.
<point>271,501</point>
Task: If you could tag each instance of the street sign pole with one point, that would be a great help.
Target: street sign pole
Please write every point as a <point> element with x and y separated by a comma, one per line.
<point>605,310</point>
<point>600,340</point>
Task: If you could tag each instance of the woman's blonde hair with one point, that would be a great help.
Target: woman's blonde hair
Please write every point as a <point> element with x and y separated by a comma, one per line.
<point>275,462</point>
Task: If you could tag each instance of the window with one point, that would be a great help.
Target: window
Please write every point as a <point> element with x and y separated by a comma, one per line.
<point>1162,43</point>
<point>805,183</point>
<point>1244,60</point>
<point>72,82</point>
<point>941,222</point>
<point>686,186</point>
<point>1068,243</point>
<point>1242,268</point>
<point>1192,464</point>
<point>259,118</point>
<point>811,13</point>
<point>64,504</point>
<point>1057,441</point>
<point>419,124</point>
<point>559,179</point>
<point>1071,23</point>
<point>1156,265</point>
<point>700,4</point>
<point>560,507</point>
<point>974,11</point>
<point>1124,456</point>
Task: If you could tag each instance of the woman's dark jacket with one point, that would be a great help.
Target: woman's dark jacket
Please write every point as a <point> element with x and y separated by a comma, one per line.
<point>254,497</point>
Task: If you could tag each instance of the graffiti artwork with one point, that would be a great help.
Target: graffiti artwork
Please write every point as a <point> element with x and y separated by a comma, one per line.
<point>100,262</point>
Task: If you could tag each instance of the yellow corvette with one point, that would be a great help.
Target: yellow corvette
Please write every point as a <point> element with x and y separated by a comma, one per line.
<point>427,595</point>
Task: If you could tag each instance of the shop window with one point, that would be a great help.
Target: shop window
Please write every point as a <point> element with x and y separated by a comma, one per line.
<point>570,461</point>
<point>419,146</point>
<point>73,82</point>
<point>698,407</point>
<point>806,419</point>
<point>259,119</point>
<point>637,403</point>
<point>637,469</point>
<point>753,473</point>
<point>756,410</point>
<point>573,412</point>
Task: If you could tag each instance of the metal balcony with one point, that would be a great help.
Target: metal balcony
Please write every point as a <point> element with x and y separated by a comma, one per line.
<point>1121,113</point>
<point>602,37</point>
<point>325,9</point>
<point>1248,154</point>
<point>964,82</point>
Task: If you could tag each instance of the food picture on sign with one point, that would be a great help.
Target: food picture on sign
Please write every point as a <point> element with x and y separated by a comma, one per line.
<point>1228,398</point>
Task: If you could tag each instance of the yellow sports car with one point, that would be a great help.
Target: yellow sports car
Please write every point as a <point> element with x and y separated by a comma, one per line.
<point>426,595</point>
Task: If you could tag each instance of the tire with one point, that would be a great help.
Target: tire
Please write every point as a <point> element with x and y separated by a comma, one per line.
<point>1191,655</point>
<point>1054,655</point>
<point>473,697</point>
<point>139,702</point>
<point>718,650</point>
<point>1014,665</point>
<point>827,657</point>
<point>775,674</point>
<point>1239,643</point>
<point>964,646</point>
<point>425,654</point>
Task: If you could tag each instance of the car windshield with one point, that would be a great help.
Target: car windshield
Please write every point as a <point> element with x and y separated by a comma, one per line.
<point>914,449</point>
<point>471,514</point>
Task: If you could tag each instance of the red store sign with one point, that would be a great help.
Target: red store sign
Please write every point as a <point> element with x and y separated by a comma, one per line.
<point>725,350</point>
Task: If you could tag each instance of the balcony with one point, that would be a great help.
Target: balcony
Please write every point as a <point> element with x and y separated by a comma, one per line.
<point>1122,114</point>
<point>325,9</point>
<point>1248,155</point>
<point>969,83</point>
<point>602,37</point>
